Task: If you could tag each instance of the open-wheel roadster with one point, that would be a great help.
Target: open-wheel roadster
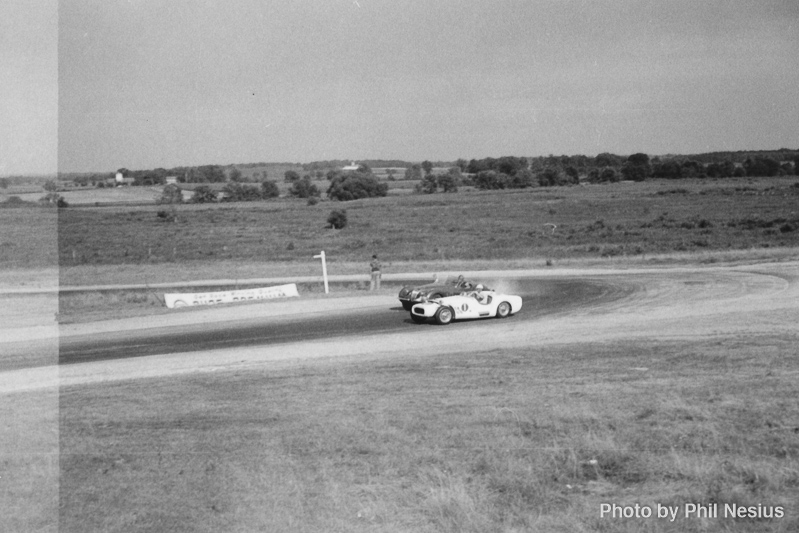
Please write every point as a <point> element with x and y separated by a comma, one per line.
<point>469,305</point>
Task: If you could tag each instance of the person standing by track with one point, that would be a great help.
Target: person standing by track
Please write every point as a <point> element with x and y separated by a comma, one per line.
<point>375,267</point>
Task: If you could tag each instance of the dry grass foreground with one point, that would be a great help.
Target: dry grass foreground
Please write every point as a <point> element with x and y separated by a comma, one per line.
<point>683,393</point>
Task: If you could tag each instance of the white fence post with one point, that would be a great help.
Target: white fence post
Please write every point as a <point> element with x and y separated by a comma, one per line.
<point>324,269</point>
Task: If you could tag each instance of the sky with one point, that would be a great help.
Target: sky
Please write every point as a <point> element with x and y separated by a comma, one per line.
<point>144,84</point>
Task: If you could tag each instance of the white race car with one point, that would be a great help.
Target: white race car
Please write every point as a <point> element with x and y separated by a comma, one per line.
<point>475,304</point>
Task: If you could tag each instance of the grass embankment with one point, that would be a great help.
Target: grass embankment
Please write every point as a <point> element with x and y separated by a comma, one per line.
<point>510,440</point>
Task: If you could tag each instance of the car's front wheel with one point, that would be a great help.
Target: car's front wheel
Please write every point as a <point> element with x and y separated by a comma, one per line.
<point>503,309</point>
<point>444,316</point>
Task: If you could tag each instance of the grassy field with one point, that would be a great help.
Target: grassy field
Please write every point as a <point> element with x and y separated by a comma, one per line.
<point>621,219</point>
<point>509,440</point>
<point>643,223</point>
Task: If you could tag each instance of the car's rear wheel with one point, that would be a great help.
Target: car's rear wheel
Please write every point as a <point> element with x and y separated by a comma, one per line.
<point>444,316</point>
<point>503,309</point>
<point>418,319</point>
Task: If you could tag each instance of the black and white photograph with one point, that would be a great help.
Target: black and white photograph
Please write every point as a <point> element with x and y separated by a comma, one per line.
<point>399,266</point>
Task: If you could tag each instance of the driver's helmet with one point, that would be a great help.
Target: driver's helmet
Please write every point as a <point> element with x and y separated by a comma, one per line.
<point>479,288</point>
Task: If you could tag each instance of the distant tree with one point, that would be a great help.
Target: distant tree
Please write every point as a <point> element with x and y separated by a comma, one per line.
<point>390,172</point>
<point>269,189</point>
<point>476,166</point>
<point>669,169</point>
<point>235,175</point>
<point>171,195</point>
<point>456,174</point>
<point>208,174</point>
<point>722,169</point>
<point>414,172</point>
<point>304,188</point>
<point>53,199</point>
<point>639,159</point>
<point>290,176</point>
<point>609,175</point>
<point>462,164</point>
<point>692,169</point>
<point>510,165</point>
<point>523,179</point>
<point>337,218</point>
<point>203,195</point>
<point>363,168</point>
<point>241,192</point>
<point>355,186</point>
<point>550,176</point>
<point>491,179</point>
<point>4,183</point>
<point>428,185</point>
<point>607,160</point>
<point>761,166</point>
<point>634,172</point>
<point>427,166</point>
<point>447,182</point>
<point>572,172</point>
<point>637,167</point>
<point>50,185</point>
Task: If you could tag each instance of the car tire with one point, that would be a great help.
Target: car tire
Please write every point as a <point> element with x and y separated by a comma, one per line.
<point>418,319</point>
<point>444,316</point>
<point>407,305</point>
<point>503,310</point>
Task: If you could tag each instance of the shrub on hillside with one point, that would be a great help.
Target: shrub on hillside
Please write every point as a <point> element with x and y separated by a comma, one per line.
<point>53,199</point>
<point>552,176</point>
<point>269,189</point>
<point>240,192</point>
<point>428,185</point>
<point>171,195</point>
<point>355,186</point>
<point>448,182</point>
<point>15,201</point>
<point>303,188</point>
<point>203,195</point>
<point>491,179</point>
<point>337,218</point>
<point>604,175</point>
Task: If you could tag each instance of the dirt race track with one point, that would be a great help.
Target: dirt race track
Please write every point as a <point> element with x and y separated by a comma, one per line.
<point>562,306</point>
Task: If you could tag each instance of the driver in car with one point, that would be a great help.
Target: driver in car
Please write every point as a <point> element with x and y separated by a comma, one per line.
<point>478,294</point>
<point>463,283</point>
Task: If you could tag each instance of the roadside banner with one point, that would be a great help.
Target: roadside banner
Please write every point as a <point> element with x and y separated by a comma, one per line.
<point>211,298</point>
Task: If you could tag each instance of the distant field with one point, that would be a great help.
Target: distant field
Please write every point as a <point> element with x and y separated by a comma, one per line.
<point>622,219</point>
<point>92,196</point>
